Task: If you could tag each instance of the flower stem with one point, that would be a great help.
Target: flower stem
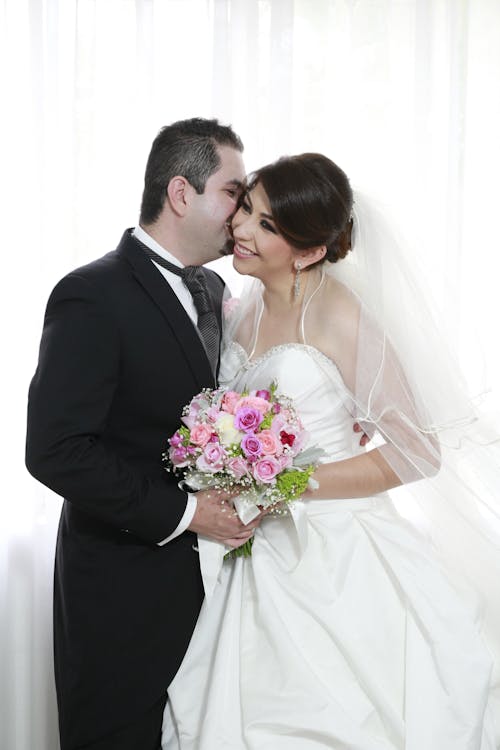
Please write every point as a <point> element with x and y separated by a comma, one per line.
<point>244,551</point>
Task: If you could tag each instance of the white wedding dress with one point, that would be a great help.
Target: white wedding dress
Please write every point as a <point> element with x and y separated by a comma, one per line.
<point>341,631</point>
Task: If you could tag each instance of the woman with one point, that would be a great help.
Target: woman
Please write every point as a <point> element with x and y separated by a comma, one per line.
<point>343,630</point>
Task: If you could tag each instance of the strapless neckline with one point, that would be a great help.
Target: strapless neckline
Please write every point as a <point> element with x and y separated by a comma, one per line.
<point>277,349</point>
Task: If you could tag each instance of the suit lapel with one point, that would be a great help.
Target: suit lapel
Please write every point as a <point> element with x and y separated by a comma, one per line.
<point>179,322</point>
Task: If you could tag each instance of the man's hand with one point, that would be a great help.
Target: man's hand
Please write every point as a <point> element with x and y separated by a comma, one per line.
<point>364,437</point>
<point>216,518</point>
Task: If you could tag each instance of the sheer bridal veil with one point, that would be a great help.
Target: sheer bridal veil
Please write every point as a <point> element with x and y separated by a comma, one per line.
<point>373,315</point>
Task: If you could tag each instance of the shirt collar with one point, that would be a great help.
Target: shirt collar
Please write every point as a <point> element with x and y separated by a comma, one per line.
<point>147,240</point>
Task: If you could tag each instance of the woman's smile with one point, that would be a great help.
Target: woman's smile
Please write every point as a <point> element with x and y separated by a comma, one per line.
<point>241,251</point>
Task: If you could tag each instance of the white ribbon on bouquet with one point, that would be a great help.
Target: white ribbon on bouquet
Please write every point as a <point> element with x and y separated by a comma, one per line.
<point>212,552</point>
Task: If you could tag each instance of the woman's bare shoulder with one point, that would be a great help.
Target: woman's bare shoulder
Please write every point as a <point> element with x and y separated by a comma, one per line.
<point>334,320</point>
<point>342,306</point>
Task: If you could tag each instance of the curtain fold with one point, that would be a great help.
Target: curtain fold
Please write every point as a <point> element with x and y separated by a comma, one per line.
<point>403,95</point>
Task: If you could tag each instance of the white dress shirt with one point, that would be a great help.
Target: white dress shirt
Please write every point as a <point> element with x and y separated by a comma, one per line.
<point>184,296</point>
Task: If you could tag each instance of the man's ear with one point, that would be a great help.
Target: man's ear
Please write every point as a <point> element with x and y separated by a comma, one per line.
<point>178,191</point>
<point>310,256</point>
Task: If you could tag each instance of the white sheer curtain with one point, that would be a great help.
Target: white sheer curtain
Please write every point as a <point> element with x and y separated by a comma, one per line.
<point>402,93</point>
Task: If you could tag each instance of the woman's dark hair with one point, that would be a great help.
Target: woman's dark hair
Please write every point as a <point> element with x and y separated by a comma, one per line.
<point>187,148</point>
<point>311,202</point>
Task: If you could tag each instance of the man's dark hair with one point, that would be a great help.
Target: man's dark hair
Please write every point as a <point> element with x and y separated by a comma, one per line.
<point>187,148</point>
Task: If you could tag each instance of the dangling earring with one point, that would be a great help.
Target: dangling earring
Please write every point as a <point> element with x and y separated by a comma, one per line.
<point>296,283</point>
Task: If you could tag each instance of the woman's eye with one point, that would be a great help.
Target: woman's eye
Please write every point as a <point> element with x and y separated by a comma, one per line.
<point>246,207</point>
<point>267,226</point>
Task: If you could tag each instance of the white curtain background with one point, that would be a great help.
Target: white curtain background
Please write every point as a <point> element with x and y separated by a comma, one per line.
<point>403,94</point>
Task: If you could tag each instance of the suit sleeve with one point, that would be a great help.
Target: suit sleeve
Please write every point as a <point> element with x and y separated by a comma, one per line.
<point>70,397</point>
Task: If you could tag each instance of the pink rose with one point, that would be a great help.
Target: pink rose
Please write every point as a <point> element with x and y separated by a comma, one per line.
<point>247,419</point>
<point>266,469</point>
<point>254,402</point>
<point>251,447</point>
<point>212,458</point>
<point>200,434</point>
<point>229,401</point>
<point>230,305</point>
<point>238,466</point>
<point>270,443</point>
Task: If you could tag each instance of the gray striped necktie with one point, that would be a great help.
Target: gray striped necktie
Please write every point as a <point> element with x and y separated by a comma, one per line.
<point>208,325</point>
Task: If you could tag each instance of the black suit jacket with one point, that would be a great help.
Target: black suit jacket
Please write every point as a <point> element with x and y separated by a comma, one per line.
<point>119,358</point>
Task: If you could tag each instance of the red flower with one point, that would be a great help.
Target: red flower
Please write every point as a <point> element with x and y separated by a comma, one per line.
<point>287,438</point>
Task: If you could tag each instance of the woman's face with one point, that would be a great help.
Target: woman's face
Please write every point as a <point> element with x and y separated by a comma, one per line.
<point>258,248</point>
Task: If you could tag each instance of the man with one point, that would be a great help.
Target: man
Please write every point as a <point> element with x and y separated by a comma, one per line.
<point>120,355</point>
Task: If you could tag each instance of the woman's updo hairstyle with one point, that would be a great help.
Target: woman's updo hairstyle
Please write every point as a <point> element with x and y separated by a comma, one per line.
<point>311,202</point>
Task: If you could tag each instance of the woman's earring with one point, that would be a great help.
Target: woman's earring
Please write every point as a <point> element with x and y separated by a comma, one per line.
<point>296,283</point>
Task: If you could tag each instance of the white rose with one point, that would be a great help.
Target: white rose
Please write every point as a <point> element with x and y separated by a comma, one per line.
<point>228,434</point>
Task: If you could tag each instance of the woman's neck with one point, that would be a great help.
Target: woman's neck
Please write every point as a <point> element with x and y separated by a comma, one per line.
<point>279,298</point>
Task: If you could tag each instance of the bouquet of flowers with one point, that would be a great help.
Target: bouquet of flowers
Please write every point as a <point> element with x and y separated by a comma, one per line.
<point>252,442</point>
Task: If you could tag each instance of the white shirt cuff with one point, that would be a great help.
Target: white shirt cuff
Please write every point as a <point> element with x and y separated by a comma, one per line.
<point>184,522</point>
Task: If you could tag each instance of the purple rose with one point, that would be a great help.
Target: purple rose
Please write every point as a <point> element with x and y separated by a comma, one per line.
<point>266,469</point>
<point>264,394</point>
<point>179,456</point>
<point>251,446</point>
<point>247,419</point>
<point>176,440</point>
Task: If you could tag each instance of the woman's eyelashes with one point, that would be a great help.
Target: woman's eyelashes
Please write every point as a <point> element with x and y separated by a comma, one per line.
<point>267,226</point>
<point>246,207</point>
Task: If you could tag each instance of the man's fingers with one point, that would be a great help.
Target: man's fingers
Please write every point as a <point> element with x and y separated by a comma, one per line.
<point>236,542</point>
<point>243,533</point>
<point>233,528</point>
<point>244,536</point>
